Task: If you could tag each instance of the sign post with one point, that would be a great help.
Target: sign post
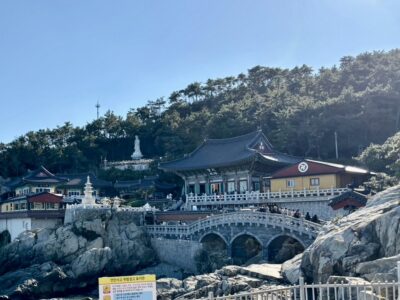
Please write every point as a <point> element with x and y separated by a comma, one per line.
<point>141,287</point>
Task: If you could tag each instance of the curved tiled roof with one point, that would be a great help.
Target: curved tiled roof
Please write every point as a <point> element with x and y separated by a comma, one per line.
<point>43,176</point>
<point>144,183</point>
<point>360,199</point>
<point>215,153</point>
<point>79,180</point>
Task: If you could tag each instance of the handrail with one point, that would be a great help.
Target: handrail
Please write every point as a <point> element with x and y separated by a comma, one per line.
<point>336,291</point>
<point>265,197</point>
<point>299,225</point>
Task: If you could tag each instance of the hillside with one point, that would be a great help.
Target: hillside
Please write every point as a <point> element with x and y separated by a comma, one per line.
<point>299,109</point>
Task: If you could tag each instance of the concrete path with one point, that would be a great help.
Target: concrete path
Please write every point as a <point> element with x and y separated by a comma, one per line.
<point>264,271</point>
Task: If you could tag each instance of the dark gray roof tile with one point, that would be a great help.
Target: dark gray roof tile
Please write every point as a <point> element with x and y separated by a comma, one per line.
<point>214,153</point>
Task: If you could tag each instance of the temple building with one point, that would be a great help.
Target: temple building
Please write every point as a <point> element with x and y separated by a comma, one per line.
<point>246,171</point>
<point>73,188</point>
<point>312,174</point>
<point>38,200</point>
<point>348,202</point>
<point>136,163</point>
<point>239,164</point>
<point>150,187</point>
<point>27,212</point>
<point>69,186</point>
<point>40,180</point>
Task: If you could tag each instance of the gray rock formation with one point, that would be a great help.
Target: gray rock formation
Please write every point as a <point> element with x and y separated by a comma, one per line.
<point>48,262</point>
<point>164,270</point>
<point>364,244</point>
<point>226,281</point>
<point>291,269</point>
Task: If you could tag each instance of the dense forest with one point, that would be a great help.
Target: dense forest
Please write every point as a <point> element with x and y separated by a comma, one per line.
<point>299,110</point>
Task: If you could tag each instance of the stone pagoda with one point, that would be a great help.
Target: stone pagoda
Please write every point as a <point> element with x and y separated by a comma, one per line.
<point>88,198</point>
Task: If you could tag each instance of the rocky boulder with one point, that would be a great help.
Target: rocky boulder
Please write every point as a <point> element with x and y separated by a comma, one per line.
<point>360,244</point>
<point>228,280</point>
<point>291,269</point>
<point>49,262</point>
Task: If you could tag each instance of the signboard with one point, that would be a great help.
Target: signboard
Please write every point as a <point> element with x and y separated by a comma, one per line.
<point>142,287</point>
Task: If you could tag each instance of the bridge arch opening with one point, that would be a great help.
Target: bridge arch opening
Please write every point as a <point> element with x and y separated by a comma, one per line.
<point>245,248</point>
<point>5,238</point>
<point>214,253</point>
<point>283,248</point>
<point>213,242</point>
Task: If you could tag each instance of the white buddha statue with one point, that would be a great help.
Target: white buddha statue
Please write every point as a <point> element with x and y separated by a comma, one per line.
<point>137,154</point>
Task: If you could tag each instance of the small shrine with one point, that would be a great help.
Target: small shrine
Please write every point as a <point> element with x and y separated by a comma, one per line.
<point>136,163</point>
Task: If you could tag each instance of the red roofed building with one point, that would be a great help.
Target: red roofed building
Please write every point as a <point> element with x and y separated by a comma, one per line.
<point>312,174</point>
<point>27,212</point>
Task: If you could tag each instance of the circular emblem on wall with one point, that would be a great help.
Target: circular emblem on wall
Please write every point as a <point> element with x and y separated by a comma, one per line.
<point>303,167</point>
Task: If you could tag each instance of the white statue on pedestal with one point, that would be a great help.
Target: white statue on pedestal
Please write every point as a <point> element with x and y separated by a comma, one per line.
<point>88,199</point>
<point>137,154</point>
<point>116,202</point>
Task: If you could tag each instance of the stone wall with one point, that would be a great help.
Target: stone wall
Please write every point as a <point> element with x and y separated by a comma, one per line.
<point>15,226</point>
<point>77,212</point>
<point>46,223</point>
<point>180,253</point>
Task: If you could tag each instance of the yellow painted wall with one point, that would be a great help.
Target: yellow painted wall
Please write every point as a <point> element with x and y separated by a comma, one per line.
<point>33,189</point>
<point>4,207</point>
<point>12,206</point>
<point>303,182</point>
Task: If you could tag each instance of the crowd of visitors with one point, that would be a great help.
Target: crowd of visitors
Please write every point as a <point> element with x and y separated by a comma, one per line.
<point>274,209</point>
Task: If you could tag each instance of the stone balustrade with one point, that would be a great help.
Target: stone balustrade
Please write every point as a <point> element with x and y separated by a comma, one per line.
<point>257,198</point>
<point>251,218</point>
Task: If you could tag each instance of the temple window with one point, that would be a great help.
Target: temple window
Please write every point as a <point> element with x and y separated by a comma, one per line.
<point>190,189</point>
<point>37,206</point>
<point>290,183</point>
<point>40,190</point>
<point>50,205</point>
<point>256,185</point>
<point>74,193</point>
<point>231,187</point>
<point>243,186</point>
<point>216,188</point>
<point>314,181</point>
<point>202,187</point>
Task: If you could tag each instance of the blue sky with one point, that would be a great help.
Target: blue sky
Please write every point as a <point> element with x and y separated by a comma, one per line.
<point>59,57</point>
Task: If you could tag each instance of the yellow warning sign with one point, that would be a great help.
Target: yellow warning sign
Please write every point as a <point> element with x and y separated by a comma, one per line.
<point>141,287</point>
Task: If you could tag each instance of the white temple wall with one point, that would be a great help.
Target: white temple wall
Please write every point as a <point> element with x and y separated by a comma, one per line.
<point>15,226</point>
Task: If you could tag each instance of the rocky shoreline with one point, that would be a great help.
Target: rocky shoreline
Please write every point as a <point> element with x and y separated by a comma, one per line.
<point>46,263</point>
<point>363,244</point>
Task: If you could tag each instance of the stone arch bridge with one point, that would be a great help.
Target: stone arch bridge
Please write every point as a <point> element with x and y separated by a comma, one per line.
<point>266,229</point>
